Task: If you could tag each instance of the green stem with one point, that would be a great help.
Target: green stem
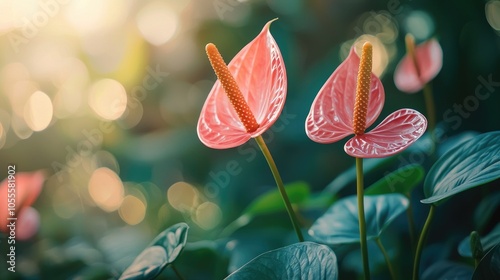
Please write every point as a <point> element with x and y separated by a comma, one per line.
<point>431,109</point>
<point>386,257</point>
<point>411,222</point>
<point>421,242</point>
<point>281,187</point>
<point>177,272</point>
<point>361,216</point>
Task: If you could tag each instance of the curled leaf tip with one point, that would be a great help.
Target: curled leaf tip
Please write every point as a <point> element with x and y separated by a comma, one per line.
<point>362,89</point>
<point>231,88</point>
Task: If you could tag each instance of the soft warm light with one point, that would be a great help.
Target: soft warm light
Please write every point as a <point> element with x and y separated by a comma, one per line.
<point>108,99</point>
<point>380,56</point>
<point>3,135</point>
<point>71,81</point>
<point>92,16</point>
<point>38,111</point>
<point>492,10</point>
<point>182,196</point>
<point>208,215</point>
<point>157,22</point>
<point>133,210</point>
<point>106,189</point>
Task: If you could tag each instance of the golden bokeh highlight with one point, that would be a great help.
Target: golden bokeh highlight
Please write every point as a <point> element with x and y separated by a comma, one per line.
<point>132,210</point>
<point>157,22</point>
<point>106,189</point>
<point>208,215</point>
<point>182,196</point>
<point>380,54</point>
<point>108,99</point>
<point>38,111</point>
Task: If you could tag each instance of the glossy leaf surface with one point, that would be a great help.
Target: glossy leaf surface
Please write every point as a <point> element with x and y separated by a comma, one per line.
<point>260,73</point>
<point>331,116</point>
<point>488,241</point>
<point>489,266</point>
<point>471,164</point>
<point>162,251</point>
<point>398,131</point>
<point>305,260</point>
<point>339,225</point>
<point>429,57</point>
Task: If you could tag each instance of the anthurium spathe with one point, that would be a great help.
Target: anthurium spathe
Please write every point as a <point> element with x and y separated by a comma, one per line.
<point>419,66</point>
<point>248,96</point>
<point>26,187</point>
<point>348,105</point>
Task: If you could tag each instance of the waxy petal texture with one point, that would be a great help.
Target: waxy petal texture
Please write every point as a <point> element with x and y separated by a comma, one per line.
<point>331,115</point>
<point>396,133</point>
<point>260,73</point>
<point>429,57</point>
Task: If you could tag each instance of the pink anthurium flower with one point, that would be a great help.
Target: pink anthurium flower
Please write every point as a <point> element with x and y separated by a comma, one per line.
<point>350,101</point>
<point>419,66</point>
<point>28,186</point>
<point>248,96</point>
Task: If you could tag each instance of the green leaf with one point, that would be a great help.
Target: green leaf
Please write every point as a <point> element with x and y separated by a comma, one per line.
<point>488,241</point>
<point>162,251</point>
<point>403,181</point>
<point>348,177</point>
<point>489,266</point>
<point>339,225</point>
<point>271,201</point>
<point>447,270</point>
<point>473,163</point>
<point>305,260</point>
<point>485,210</point>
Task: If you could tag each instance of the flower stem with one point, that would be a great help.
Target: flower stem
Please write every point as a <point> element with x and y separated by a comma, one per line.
<point>421,241</point>
<point>281,187</point>
<point>361,217</point>
<point>177,272</point>
<point>386,257</point>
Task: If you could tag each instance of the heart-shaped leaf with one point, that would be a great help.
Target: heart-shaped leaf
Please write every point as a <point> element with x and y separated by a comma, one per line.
<point>403,181</point>
<point>164,249</point>
<point>471,164</point>
<point>305,260</point>
<point>488,241</point>
<point>447,270</point>
<point>489,266</point>
<point>339,224</point>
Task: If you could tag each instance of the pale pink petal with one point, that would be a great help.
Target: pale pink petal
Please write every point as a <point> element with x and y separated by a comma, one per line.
<point>429,57</point>
<point>28,186</point>
<point>260,73</point>
<point>330,118</point>
<point>27,223</point>
<point>398,131</point>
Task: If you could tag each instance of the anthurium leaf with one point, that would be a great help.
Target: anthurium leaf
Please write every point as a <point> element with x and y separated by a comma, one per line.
<point>403,181</point>
<point>162,251</point>
<point>447,270</point>
<point>486,209</point>
<point>348,177</point>
<point>305,260</point>
<point>488,241</point>
<point>271,201</point>
<point>489,266</point>
<point>473,163</point>
<point>339,224</point>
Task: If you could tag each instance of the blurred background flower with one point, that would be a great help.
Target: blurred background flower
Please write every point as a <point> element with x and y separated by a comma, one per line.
<point>105,96</point>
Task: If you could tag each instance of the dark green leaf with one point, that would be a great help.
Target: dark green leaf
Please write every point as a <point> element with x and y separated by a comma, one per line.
<point>470,164</point>
<point>485,210</point>
<point>487,242</point>
<point>403,181</point>
<point>305,260</point>
<point>447,270</point>
<point>339,224</point>
<point>164,249</point>
<point>489,266</point>
<point>348,177</point>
